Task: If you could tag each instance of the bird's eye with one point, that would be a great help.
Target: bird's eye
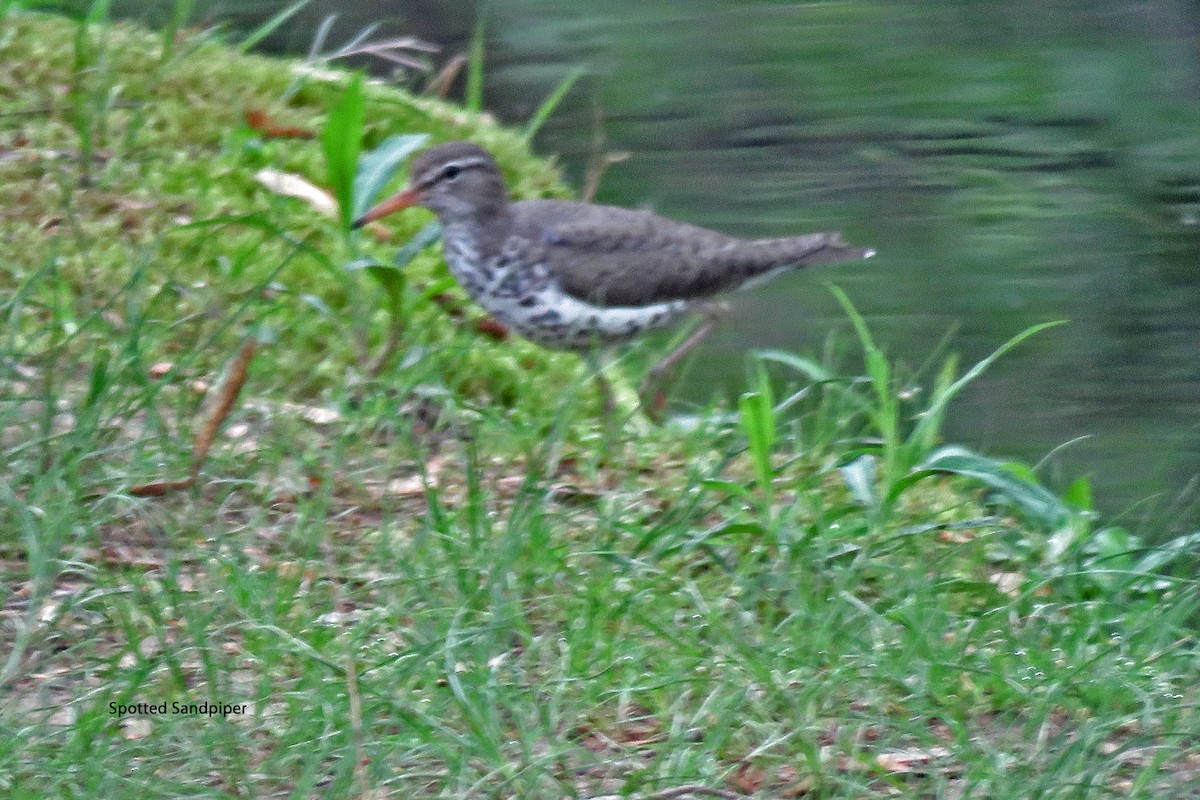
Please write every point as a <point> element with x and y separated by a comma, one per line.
<point>451,172</point>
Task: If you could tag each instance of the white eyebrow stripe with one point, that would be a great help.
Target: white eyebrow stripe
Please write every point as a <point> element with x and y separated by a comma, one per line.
<point>461,163</point>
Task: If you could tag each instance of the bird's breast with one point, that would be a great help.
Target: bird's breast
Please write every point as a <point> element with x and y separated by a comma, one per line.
<point>523,295</point>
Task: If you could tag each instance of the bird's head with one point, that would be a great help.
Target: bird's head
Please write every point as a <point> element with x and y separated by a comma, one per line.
<point>454,180</point>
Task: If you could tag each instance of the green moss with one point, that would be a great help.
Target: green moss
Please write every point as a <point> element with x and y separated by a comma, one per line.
<point>172,149</point>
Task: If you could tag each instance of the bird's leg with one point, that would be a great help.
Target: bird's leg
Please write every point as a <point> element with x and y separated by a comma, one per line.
<point>651,392</point>
<point>595,359</point>
<point>607,398</point>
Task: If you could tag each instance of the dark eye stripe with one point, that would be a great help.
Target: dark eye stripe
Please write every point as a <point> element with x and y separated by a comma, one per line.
<point>450,170</point>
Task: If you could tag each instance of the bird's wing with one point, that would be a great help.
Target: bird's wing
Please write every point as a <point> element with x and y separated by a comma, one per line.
<point>613,256</point>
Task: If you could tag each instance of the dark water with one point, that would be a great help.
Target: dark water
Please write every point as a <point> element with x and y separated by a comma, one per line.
<point>1012,161</point>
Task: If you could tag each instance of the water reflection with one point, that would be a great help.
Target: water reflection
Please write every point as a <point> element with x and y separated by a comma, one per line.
<point>1013,162</point>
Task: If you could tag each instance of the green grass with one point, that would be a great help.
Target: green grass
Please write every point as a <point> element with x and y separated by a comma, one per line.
<point>436,577</point>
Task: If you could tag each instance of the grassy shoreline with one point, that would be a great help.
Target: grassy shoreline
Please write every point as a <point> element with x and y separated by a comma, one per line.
<point>441,579</point>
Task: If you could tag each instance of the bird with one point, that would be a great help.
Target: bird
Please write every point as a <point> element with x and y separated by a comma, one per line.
<point>585,277</point>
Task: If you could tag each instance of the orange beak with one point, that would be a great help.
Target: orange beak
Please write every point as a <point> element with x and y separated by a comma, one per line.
<point>408,197</point>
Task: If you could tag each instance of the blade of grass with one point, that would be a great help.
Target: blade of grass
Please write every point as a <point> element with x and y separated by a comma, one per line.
<point>885,414</point>
<point>759,423</point>
<point>180,11</point>
<point>924,437</point>
<point>270,26</point>
<point>932,416</point>
<point>549,104</point>
<point>474,98</point>
<point>318,42</point>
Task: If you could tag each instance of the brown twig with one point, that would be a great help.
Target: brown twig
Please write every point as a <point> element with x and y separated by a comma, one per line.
<point>262,122</point>
<point>159,488</point>
<point>600,160</point>
<point>226,395</point>
<point>595,172</point>
<point>439,85</point>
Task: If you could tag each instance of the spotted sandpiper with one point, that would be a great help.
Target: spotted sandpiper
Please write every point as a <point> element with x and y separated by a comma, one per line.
<point>581,276</point>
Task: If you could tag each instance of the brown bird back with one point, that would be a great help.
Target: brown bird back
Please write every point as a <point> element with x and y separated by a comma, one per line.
<point>612,256</point>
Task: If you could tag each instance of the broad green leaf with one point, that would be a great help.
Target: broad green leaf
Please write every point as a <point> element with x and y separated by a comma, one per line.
<point>1079,494</point>
<point>1165,553</point>
<point>860,477</point>
<point>391,279</point>
<point>1032,498</point>
<point>341,141</point>
<point>758,422</point>
<point>377,167</point>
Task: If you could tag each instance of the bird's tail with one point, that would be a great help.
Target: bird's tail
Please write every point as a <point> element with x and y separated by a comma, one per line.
<point>815,248</point>
<point>771,257</point>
